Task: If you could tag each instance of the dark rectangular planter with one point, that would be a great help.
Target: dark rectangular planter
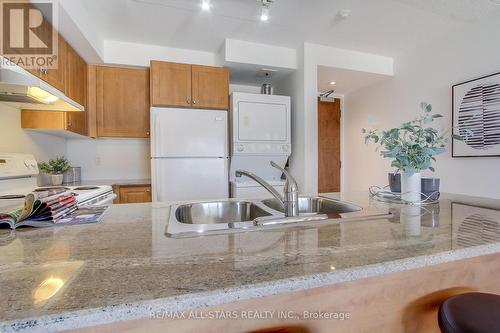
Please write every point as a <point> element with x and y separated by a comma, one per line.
<point>430,186</point>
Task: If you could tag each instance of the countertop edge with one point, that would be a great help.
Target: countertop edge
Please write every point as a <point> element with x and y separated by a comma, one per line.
<point>137,310</point>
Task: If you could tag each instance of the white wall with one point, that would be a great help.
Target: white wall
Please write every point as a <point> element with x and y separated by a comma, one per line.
<point>13,139</point>
<point>425,73</point>
<point>293,86</point>
<point>111,158</point>
<point>244,88</point>
<point>243,52</point>
<point>134,54</point>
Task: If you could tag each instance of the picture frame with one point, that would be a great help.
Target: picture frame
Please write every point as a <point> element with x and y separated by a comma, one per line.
<point>476,117</point>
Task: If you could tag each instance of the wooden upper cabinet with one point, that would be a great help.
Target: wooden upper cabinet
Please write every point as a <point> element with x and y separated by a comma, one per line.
<point>122,102</point>
<point>76,77</point>
<point>191,86</point>
<point>210,87</point>
<point>76,89</point>
<point>170,84</point>
<point>70,78</point>
<point>56,77</point>
<point>77,122</point>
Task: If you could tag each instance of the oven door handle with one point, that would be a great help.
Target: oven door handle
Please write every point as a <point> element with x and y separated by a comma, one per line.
<point>106,199</point>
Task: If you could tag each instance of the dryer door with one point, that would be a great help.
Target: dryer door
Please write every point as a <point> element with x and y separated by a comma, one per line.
<point>262,122</point>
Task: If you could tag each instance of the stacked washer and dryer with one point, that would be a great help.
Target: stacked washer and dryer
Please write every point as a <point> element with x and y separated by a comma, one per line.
<point>260,133</point>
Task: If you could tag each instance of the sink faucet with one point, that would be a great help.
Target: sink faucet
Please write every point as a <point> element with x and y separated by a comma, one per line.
<point>290,199</point>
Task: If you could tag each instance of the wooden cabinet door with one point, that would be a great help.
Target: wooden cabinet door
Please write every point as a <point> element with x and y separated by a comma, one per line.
<point>76,89</point>
<point>76,77</point>
<point>56,77</point>
<point>170,84</point>
<point>135,194</point>
<point>210,87</point>
<point>77,122</point>
<point>122,102</point>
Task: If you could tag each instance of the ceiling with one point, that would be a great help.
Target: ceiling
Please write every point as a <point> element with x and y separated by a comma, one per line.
<point>385,27</point>
<point>346,81</point>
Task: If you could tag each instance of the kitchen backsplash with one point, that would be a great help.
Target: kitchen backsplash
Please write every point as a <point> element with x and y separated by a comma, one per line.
<point>110,158</point>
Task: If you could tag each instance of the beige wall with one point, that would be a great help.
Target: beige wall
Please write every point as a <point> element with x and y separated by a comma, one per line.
<point>425,73</point>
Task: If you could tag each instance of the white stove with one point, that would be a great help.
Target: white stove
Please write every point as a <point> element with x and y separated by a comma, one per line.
<point>18,177</point>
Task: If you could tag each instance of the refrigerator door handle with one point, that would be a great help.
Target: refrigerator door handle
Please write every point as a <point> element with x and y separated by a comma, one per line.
<point>156,181</point>
<point>156,128</point>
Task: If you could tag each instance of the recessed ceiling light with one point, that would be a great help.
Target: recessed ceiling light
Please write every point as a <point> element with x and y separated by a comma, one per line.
<point>264,15</point>
<point>345,13</point>
<point>333,83</point>
<point>206,5</point>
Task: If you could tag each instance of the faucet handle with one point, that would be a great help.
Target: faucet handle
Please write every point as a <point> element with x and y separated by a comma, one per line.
<point>273,164</point>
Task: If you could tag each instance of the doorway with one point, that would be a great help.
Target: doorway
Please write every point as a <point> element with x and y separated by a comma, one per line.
<point>329,163</point>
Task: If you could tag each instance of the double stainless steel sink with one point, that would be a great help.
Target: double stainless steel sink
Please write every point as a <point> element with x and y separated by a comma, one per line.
<point>230,216</point>
<point>219,212</point>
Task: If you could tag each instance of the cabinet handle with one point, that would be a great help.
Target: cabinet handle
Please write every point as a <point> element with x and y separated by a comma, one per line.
<point>194,101</point>
<point>188,101</point>
<point>147,133</point>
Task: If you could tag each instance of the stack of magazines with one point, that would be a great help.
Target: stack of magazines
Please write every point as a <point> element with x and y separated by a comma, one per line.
<point>48,208</point>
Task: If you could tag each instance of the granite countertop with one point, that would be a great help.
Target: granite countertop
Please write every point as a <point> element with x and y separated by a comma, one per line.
<point>125,267</point>
<point>118,182</point>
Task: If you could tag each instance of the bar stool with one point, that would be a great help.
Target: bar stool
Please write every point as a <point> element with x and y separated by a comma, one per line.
<point>470,313</point>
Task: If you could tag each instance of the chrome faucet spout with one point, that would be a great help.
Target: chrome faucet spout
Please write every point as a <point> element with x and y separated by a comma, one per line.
<point>289,200</point>
<point>263,183</point>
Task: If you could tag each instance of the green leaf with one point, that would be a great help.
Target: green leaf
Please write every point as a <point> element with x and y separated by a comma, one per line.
<point>439,150</point>
<point>457,137</point>
<point>437,115</point>
<point>432,169</point>
<point>363,130</point>
<point>428,108</point>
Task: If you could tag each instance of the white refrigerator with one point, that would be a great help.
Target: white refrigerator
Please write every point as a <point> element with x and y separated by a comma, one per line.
<point>189,154</point>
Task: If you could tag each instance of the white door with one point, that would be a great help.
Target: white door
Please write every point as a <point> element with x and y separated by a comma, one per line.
<point>180,179</point>
<point>188,132</point>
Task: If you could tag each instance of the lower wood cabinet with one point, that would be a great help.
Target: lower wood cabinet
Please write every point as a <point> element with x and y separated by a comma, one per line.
<point>132,193</point>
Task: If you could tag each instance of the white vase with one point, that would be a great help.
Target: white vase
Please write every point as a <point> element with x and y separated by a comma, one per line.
<point>411,187</point>
<point>411,220</point>
<point>56,180</point>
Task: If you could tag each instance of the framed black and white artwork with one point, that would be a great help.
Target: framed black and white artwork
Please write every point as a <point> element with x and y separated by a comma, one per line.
<point>476,117</point>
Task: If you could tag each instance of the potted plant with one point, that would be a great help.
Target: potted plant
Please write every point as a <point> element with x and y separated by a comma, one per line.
<point>412,147</point>
<point>55,167</point>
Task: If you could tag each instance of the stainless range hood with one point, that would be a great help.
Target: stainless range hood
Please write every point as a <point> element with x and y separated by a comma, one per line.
<point>26,91</point>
